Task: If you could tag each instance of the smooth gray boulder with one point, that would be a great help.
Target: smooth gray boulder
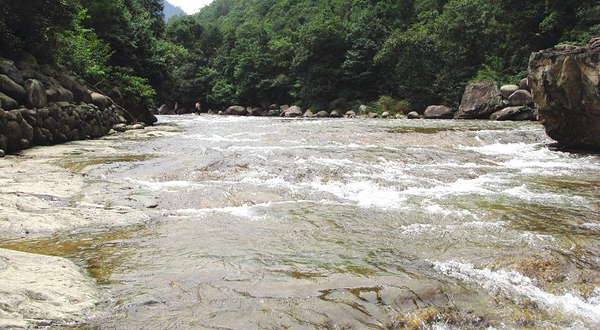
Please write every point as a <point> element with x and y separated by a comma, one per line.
<point>7,67</point>
<point>12,89</point>
<point>438,112</point>
<point>322,114</point>
<point>294,111</point>
<point>59,94</point>
<point>362,110</point>
<point>515,113</point>
<point>7,102</point>
<point>335,114</point>
<point>236,110</point>
<point>101,101</point>
<point>507,90</point>
<point>520,97</point>
<point>36,94</point>
<point>80,93</point>
<point>413,115</point>
<point>524,84</point>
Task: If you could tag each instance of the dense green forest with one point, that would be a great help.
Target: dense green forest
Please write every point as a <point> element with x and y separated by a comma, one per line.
<point>316,53</point>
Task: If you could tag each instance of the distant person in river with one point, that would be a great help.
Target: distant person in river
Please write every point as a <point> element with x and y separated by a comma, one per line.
<point>197,107</point>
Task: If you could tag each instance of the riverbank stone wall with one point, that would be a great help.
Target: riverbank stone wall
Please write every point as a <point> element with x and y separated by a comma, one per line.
<point>56,123</point>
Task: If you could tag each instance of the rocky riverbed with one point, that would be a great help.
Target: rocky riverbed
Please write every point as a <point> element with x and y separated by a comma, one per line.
<point>245,222</point>
<point>44,192</point>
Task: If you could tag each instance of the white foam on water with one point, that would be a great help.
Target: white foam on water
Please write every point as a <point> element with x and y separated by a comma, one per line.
<point>421,228</point>
<point>166,185</point>
<point>535,240</point>
<point>216,138</point>
<point>501,149</point>
<point>523,193</point>
<point>417,228</point>
<point>480,185</point>
<point>514,285</point>
<point>591,226</point>
<point>433,208</point>
<point>364,193</point>
<point>332,161</point>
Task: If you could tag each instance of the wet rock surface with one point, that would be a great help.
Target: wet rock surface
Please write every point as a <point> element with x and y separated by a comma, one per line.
<point>42,291</point>
<point>480,100</point>
<point>565,84</point>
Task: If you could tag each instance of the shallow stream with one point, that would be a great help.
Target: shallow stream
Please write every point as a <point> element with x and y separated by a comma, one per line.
<point>345,223</point>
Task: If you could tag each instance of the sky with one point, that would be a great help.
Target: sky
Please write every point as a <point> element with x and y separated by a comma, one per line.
<point>190,6</point>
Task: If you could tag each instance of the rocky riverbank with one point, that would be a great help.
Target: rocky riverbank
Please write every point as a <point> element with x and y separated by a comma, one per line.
<point>44,105</point>
<point>44,191</point>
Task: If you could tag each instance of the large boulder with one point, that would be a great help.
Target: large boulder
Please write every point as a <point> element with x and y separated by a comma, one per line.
<point>236,110</point>
<point>139,114</point>
<point>7,102</point>
<point>101,101</point>
<point>79,91</point>
<point>480,100</point>
<point>413,115</point>
<point>59,94</point>
<point>438,112</point>
<point>565,82</point>
<point>7,67</point>
<point>163,110</point>
<point>520,97</point>
<point>12,89</point>
<point>116,95</point>
<point>515,113</point>
<point>322,114</point>
<point>335,114</point>
<point>507,90</point>
<point>294,111</point>
<point>524,84</point>
<point>36,94</point>
<point>362,110</point>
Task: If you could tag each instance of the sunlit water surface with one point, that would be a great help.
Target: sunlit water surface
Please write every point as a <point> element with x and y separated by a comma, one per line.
<point>296,223</point>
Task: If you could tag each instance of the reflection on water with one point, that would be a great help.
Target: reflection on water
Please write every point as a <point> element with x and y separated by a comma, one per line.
<point>279,223</point>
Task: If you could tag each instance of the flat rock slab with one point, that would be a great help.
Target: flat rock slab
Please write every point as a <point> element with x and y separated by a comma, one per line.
<point>37,290</point>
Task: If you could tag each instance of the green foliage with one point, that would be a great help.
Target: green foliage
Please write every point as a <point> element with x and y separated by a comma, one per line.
<point>316,53</point>
<point>85,54</point>
<point>330,54</point>
<point>136,90</point>
<point>391,105</point>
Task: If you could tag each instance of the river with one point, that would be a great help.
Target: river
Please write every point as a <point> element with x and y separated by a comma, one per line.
<point>273,223</point>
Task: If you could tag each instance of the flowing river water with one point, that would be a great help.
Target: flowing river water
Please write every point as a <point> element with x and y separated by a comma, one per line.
<point>345,224</point>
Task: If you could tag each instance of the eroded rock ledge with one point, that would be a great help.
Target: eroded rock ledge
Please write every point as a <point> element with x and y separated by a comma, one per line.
<point>40,291</point>
<point>565,82</point>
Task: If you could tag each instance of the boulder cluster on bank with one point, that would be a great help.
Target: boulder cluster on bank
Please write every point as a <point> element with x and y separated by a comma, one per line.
<point>481,100</point>
<point>43,105</point>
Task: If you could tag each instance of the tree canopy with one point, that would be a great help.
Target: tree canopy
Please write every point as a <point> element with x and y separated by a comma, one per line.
<point>316,53</point>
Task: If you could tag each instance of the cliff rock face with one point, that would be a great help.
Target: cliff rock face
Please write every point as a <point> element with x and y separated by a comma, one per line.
<point>565,83</point>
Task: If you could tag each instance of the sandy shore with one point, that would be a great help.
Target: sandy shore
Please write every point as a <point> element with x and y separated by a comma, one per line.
<point>49,190</point>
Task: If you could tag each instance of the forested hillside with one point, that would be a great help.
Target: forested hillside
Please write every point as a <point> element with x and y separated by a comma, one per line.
<point>317,53</point>
<point>106,42</point>
<point>333,53</point>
